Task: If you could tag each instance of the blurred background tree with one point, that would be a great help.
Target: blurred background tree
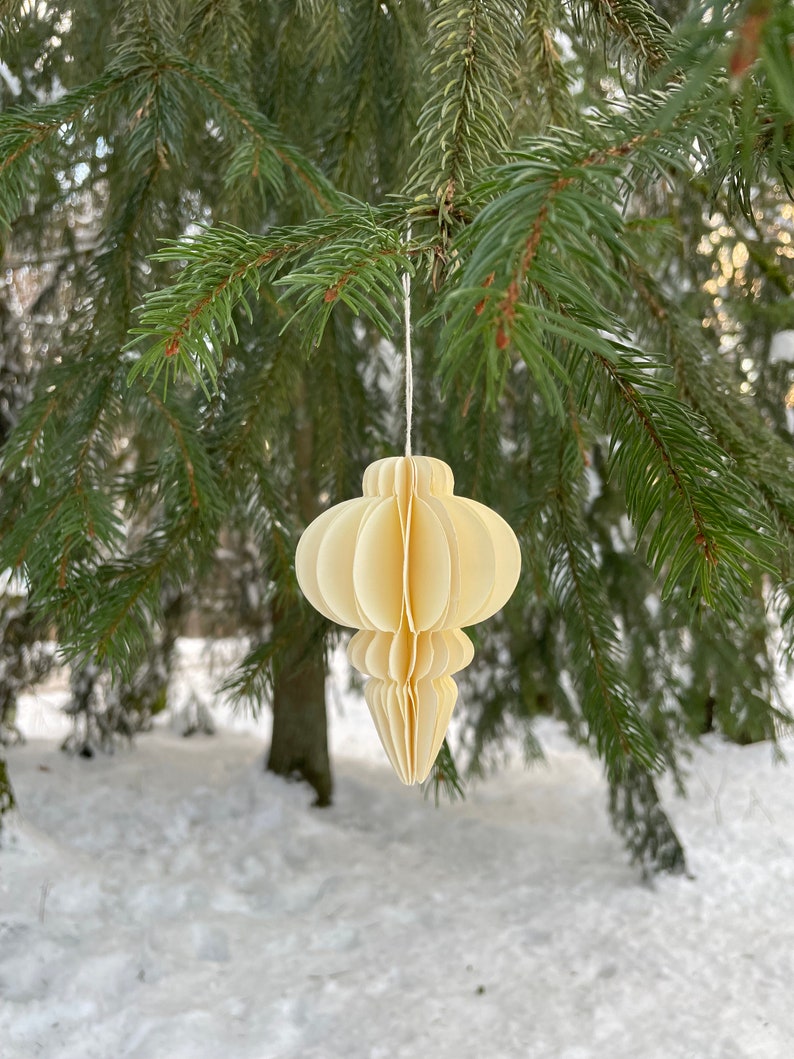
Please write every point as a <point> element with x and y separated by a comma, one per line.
<point>601,243</point>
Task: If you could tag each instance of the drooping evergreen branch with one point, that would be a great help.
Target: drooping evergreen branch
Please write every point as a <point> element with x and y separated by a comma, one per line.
<point>463,125</point>
<point>764,460</point>
<point>84,420</point>
<point>24,129</point>
<point>111,610</point>
<point>366,278</point>
<point>252,680</point>
<point>56,519</point>
<point>194,317</point>
<point>444,778</point>
<point>707,525</point>
<point>187,465</point>
<point>8,9</point>
<point>24,441</point>
<point>733,54</point>
<point>549,293</point>
<point>361,71</point>
<point>704,380</point>
<point>223,267</point>
<point>186,511</point>
<point>565,189</point>
<point>246,417</point>
<point>224,25</point>
<point>542,76</point>
<point>262,131</point>
<point>632,27</point>
<point>616,725</point>
<point>638,816</point>
<point>196,497</point>
<point>66,509</point>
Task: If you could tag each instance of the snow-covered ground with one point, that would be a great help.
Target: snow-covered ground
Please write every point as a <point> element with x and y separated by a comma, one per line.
<point>175,902</point>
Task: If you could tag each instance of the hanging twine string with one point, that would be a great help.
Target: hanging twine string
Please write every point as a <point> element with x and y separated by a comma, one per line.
<point>409,366</point>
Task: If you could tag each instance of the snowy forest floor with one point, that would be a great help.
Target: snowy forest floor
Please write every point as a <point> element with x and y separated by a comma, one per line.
<point>176,902</point>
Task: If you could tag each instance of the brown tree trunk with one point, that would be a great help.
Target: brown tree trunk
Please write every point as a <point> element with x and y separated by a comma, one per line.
<point>6,793</point>
<point>300,738</point>
<point>299,746</point>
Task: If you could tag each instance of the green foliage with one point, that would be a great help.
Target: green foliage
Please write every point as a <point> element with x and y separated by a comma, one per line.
<point>463,122</point>
<point>638,815</point>
<point>591,200</point>
<point>747,68</point>
<point>154,91</point>
<point>632,31</point>
<point>617,727</point>
<point>354,262</point>
<point>444,779</point>
<point>7,801</point>
<point>543,79</point>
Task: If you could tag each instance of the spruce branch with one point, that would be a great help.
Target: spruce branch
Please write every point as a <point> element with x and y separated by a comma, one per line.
<point>542,76</point>
<point>63,521</point>
<point>616,725</point>
<point>249,411</point>
<point>79,526</point>
<point>111,610</point>
<point>708,533</point>
<point>222,25</point>
<point>178,431</point>
<point>360,58</point>
<point>549,292</point>
<point>463,125</point>
<point>702,377</point>
<point>354,260</point>
<point>252,680</point>
<point>262,132</point>
<point>9,10</point>
<point>25,129</point>
<point>541,265</point>
<point>192,318</point>
<point>505,250</point>
<point>366,278</point>
<point>444,778</point>
<point>638,816</point>
<point>730,57</point>
<point>629,27</point>
<point>111,606</point>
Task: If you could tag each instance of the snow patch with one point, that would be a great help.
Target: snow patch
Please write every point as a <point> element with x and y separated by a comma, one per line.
<point>177,902</point>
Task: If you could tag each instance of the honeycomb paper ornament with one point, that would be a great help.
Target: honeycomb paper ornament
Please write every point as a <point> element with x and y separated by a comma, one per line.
<point>409,564</point>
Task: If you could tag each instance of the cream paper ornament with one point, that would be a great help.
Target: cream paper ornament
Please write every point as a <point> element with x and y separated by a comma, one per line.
<point>408,564</point>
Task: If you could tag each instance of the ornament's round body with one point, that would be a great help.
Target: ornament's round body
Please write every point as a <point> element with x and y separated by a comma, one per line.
<point>409,564</point>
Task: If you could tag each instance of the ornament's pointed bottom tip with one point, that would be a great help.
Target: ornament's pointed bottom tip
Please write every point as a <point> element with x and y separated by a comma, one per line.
<point>410,779</point>
<point>416,779</point>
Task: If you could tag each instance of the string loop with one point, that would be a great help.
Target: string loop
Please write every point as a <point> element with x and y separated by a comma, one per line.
<point>409,367</point>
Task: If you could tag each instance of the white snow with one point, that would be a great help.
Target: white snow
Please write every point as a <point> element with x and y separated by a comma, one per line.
<point>176,902</point>
<point>781,349</point>
<point>12,82</point>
